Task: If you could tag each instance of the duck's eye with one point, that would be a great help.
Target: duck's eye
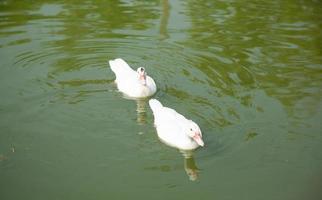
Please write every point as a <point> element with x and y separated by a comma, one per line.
<point>190,129</point>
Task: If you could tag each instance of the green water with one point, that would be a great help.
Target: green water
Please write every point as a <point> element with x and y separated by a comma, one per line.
<point>248,72</point>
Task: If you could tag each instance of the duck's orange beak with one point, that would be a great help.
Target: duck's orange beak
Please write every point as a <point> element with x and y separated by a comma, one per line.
<point>198,139</point>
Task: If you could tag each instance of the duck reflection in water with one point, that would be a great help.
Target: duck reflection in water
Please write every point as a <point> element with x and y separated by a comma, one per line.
<point>176,131</point>
<point>141,114</point>
<point>141,111</point>
<point>190,165</point>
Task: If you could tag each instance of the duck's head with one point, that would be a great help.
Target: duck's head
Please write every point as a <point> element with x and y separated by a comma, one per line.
<point>141,75</point>
<point>194,133</point>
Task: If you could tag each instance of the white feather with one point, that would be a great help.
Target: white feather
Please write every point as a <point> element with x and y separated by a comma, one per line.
<point>171,126</point>
<point>127,80</point>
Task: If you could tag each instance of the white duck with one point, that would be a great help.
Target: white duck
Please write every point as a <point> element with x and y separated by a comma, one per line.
<point>132,83</point>
<point>174,129</point>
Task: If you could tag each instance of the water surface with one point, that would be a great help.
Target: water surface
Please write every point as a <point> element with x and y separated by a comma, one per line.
<point>248,72</point>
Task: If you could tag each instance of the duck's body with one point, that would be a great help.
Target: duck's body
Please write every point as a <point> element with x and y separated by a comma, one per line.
<point>174,129</point>
<point>132,83</point>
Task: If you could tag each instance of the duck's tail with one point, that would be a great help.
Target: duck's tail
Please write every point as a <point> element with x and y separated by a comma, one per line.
<point>119,66</point>
<point>155,105</point>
